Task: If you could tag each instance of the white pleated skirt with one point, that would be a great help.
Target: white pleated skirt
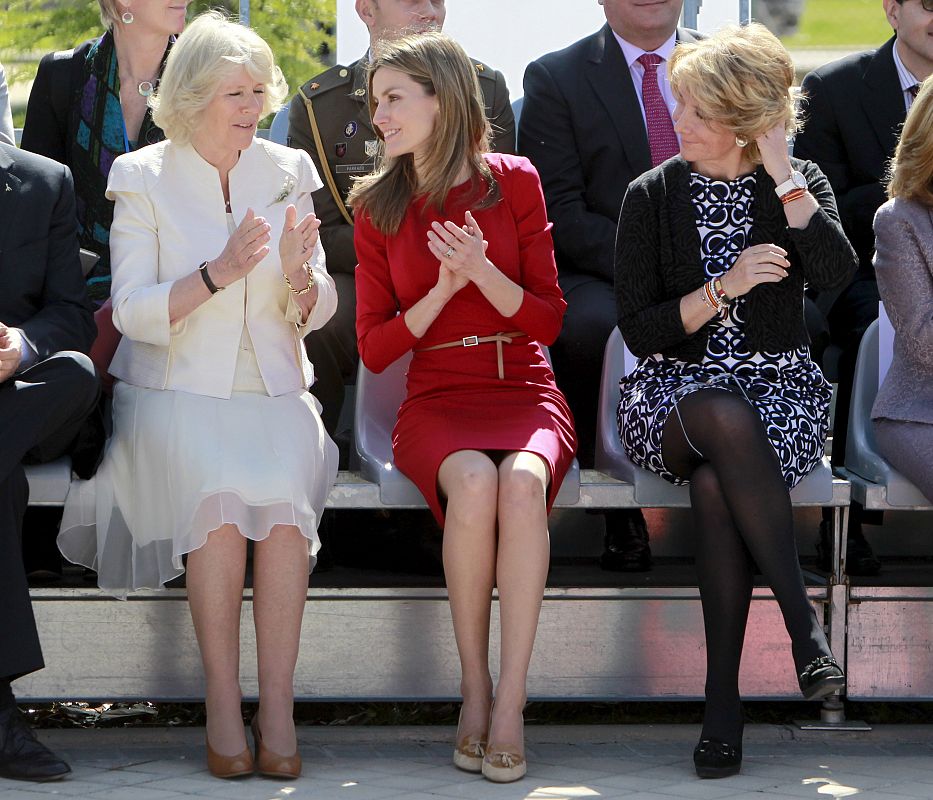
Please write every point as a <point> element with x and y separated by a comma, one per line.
<point>181,465</point>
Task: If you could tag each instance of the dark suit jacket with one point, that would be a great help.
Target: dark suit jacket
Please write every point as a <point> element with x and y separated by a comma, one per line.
<point>581,126</point>
<point>853,112</point>
<point>42,289</point>
<point>658,261</point>
<point>341,108</point>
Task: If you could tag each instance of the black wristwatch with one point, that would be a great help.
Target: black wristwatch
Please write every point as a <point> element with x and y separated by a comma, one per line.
<point>212,287</point>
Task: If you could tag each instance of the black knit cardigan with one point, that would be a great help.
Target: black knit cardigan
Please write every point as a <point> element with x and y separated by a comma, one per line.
<point>657,261</point>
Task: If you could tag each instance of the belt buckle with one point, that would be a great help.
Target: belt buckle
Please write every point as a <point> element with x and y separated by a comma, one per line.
<point>470,341</point>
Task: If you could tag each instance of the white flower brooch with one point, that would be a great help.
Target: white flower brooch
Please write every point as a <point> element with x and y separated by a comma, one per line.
<point>285,191</point>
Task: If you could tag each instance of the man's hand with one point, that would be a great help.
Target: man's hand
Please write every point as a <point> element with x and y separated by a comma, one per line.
<point>11,351</point>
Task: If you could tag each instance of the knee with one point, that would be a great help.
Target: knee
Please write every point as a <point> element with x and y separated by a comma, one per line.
<point>588,321</point>
<point>76,376</point>
<point>522,490</point>
<point>730,419</point>
<point>703,481</point>
<point>476,485</point>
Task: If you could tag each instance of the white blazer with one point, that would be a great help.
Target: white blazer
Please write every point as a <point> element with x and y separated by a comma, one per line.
<point>169,217</point>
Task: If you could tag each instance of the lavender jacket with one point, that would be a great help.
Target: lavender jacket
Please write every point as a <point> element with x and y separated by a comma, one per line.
<point>904,266</point>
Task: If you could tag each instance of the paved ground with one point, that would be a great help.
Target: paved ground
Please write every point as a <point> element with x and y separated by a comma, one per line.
<point>632,762</point>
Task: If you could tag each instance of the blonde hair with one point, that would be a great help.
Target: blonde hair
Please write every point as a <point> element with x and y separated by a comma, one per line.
<point>740,78</point>
<point>211,47</point>
<point>109,12</point>
<point>440,65</point>
<point>911,170</point>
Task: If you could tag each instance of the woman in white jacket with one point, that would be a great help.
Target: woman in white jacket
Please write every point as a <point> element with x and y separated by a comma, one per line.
<point>217,275</point>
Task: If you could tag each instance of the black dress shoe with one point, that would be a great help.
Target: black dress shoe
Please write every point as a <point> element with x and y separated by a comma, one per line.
<point>860,560</point>
<point>820,678</point>
<point>716,759</point>
<point>22,756</point>
<point>626,548</point>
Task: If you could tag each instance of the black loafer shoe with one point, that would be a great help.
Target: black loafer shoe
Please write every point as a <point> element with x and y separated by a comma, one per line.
<point>860,559</point>
<point>716,759</point>
<point>820,678</point>
<point>626,548</point>
<point>22,756</point>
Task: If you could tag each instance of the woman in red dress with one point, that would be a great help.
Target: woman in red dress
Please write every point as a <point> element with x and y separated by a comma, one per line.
<point>456,264</point>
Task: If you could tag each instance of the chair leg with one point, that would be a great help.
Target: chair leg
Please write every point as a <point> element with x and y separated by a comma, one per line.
<point>840,543</point>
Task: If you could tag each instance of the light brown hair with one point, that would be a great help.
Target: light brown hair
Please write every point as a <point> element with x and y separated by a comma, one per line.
<point>440,65</point>
<point>740,78</point>
<point>110,12</point>
<point>911,170</point>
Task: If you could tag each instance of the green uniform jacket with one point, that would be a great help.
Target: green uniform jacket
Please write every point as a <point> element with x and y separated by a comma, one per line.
<point>350,144</point>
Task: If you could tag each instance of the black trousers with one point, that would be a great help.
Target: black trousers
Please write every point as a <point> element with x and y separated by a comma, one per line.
<point>41,411</point>
<point>854,310</point>
<point>578,353</point>
<point>332,350</point>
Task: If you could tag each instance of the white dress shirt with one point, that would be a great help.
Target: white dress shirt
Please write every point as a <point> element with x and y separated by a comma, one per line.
<point>637,71</point>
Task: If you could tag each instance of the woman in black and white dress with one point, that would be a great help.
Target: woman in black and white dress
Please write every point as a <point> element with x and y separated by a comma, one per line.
<point>713,251</point>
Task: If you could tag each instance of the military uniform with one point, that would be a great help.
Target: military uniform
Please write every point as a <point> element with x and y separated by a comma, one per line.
<point>348,149</point>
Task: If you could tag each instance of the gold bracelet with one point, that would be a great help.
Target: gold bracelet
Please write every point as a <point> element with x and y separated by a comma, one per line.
<point>307,288</point>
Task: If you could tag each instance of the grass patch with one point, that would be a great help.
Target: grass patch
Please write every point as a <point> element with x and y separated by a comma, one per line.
<point>855,24</point>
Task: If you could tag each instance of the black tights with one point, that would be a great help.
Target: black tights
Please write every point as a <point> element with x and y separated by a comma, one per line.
<point>741,508</point>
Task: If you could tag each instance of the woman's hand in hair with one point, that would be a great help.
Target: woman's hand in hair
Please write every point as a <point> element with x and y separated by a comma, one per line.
<point>762,263</point>
<point>461,249</point>
<point>772,145</point>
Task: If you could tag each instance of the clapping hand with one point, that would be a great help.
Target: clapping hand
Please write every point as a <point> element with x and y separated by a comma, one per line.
<point>245,248</point>
<point>298,240</point>
<point>462,250</point>
<point>11,351</point>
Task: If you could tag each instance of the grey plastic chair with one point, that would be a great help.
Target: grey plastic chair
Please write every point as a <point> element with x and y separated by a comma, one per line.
<point>88,260</point>
<point>862,456</point>
<point>378,398</point>
<point>517,111</point>
<point>48,483</point>
<point>651,490</point>
<point>278,131</point>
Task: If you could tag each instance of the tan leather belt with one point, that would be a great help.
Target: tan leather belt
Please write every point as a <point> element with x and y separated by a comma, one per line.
<point>472,341</point>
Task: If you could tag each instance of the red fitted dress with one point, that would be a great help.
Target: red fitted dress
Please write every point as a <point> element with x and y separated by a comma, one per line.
<point>456,400</point>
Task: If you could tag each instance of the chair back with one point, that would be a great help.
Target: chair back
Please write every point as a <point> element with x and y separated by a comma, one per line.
<point>517,110</point>
<point>862,456</point>
<point>378,399</point>
<point>278,131</point>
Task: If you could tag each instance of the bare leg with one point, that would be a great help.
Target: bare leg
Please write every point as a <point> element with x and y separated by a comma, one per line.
<point>215,592</point>
<point>280,587</point>
<point>521,573</point>
<point>469,480</point>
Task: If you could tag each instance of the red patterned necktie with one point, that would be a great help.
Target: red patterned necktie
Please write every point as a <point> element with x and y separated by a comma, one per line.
<point>913,90</point>
<point>661,137</point>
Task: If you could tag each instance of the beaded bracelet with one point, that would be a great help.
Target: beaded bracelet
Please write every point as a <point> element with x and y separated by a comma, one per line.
<point>720,291</point>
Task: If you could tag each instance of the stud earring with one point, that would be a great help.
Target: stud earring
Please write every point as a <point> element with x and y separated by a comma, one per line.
<point>741,141</point>
<point>127,17</point>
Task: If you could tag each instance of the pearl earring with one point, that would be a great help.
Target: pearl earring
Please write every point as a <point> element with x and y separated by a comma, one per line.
<point>127,17</point>
<point>741,141</point>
